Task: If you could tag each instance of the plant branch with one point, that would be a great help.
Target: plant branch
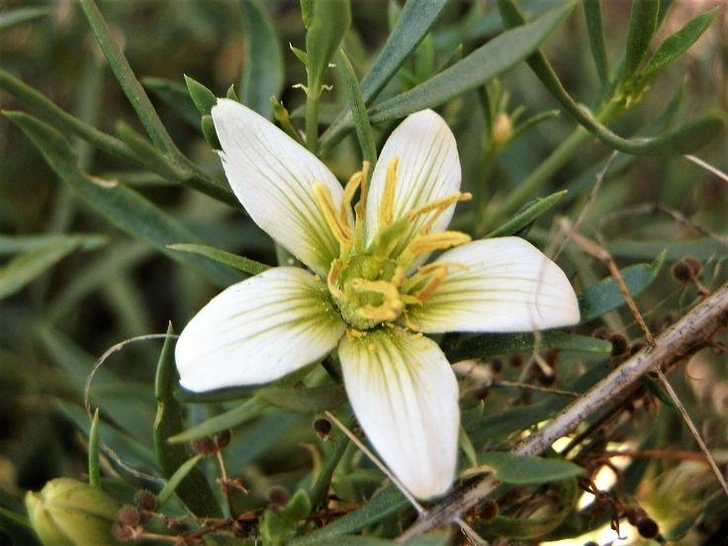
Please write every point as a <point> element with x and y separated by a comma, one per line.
<point>693,332</point>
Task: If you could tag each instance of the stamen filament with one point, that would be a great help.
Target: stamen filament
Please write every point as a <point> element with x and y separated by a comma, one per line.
<point>439,206</point>
<point>339,225</point>
<point>386,207</point>
<point>349,190</point>
<point>433,241</point>
<point>360,208</point>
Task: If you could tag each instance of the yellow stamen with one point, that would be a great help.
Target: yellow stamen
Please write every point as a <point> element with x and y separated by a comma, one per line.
<point>433,241</point>
<point>389,309</point>
<point>439,206</point>
<point>386,207</point>
<point>437,276</point>
<point>353,333</point>
<point>349,190</point>
<point>339,225</point>
<point>334,274</point>
<point>360,207</point>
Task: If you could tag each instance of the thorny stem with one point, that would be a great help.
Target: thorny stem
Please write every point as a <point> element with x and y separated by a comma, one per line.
<point>691,333</point>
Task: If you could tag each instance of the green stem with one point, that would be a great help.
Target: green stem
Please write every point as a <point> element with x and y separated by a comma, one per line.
<point>312,106</point>
<point>320,488</point>
<point>538,178</point>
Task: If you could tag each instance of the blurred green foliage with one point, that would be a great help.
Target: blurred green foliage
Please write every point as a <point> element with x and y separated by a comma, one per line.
<point>91,199</point>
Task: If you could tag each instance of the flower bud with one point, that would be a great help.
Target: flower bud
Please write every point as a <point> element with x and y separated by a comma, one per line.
<point>502,129</point>
<point>68,512</point>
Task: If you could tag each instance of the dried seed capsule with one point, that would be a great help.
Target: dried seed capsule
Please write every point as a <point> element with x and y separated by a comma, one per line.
<point>648,528</point>
<point>322,427</point>
<point>222,439</point>
<point>145,499</point>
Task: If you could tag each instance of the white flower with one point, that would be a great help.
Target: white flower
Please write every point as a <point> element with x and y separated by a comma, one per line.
<point>368,296</point>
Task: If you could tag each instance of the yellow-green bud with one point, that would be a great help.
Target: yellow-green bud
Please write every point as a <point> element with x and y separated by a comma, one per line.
<point>68,512</point>
<point>502,129</point>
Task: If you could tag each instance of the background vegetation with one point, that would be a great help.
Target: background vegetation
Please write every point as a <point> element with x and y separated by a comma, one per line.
<point>85,262</point>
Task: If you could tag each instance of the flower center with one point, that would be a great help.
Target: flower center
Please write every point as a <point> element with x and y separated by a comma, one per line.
<point>367,290</point>
<point>369,282</point>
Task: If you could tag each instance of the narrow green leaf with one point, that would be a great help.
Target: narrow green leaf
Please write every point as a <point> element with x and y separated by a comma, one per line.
<point>605,296</point>
<point>132,88</point>
<point>597,42</point>
<point>124,449</point>
<point>40,103</point>
<point>241,263</point>
<point>415,21</point>
<point>27,267</point>
<point>19,16</point>
<point>11,244</point>
<point>245,412</point>
<point>487,345</point>
<point>297,508</point>
<point>262,75</point>
<point>151,157</point>
<point>118,258</point>
<point>481,66</point>
<point>679,42</point>
<point>359,110</point>
<point>304,400</point>
<point>383,504</point>
<point>176,96</point>
<point>642,26</point>
<point>203,98</point>
<point>527,470</point>
<point>522,128</point>
<point>187,173</point>
<point>94,470</point>
<point>685,139</point>
<point>176,479</point>
<point>529,213</point>
<point>122,206</point>
<point>192,487</point>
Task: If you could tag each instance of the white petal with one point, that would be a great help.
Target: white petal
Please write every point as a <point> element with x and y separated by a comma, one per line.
<point>429,169</point>
<point>405,396</point>
<point>498,285</point>
<point>257,331</point>
<point>271,175</point>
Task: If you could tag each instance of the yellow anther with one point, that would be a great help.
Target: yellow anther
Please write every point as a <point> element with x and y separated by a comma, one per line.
<point>339,226</point>
<point>438,206</point>
<point>398,276</point>
<point>334,274</point>
<point>434,241</point>
<point>437,276</point>
<point>353,333</point>
<point>349,190</point>
<point>391,306</point>
<point>386,207</point>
